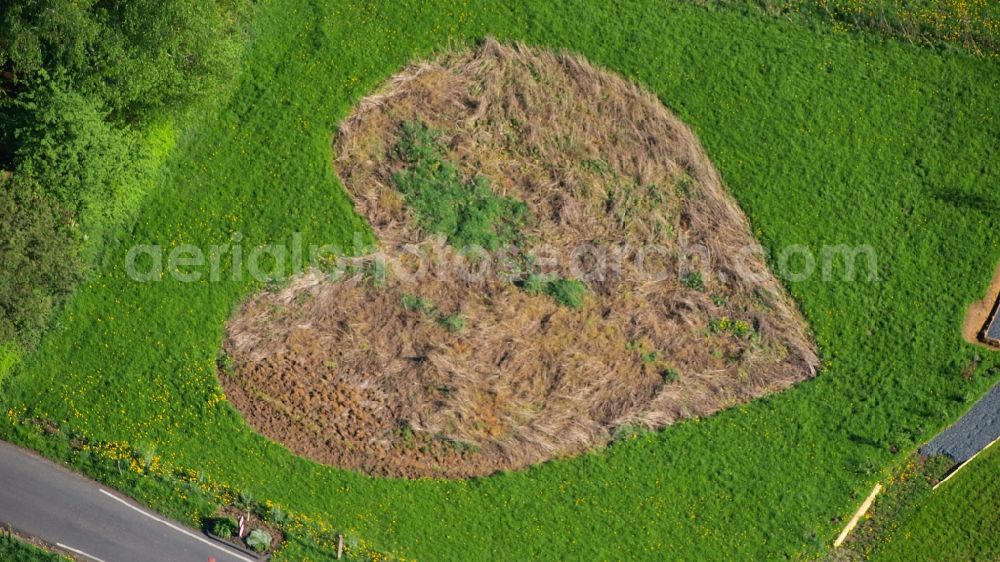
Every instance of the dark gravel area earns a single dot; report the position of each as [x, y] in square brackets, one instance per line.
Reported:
[975, 430]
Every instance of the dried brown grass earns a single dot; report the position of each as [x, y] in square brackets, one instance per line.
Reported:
[341, 372]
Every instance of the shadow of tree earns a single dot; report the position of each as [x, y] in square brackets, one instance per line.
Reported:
[970, 201]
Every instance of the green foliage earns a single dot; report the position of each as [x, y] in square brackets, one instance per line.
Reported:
[13, 550]
[973, 24]
[65, 146]
[406, 435]
[467, 213]
[259, 540]
[138, 57]
[414, 303]
[567, 292]
[76, 74]
[246, 500]
[642, 348]
[650, 357]
[873, 149]
[458, 444]
[375, 273]
[685, 184]
[594, 165]
[693, 280]
[38, 260]
[224, 527]
[420, 145]
[276, 515]
[958, 521]
[725, 324]
[226, 365]
[452, 322]
[535, 284]
[146, 455]
[10, 355]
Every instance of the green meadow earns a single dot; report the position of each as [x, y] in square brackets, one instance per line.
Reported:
[958, 521]
[825, 137]
[13, 550]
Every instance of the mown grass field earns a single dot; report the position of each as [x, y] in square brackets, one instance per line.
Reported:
[824, 137]
[959, 520]
[14, 550]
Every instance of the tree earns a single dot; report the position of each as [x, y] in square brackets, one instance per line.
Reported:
[139, 57]
[67, 149]
[39, 262]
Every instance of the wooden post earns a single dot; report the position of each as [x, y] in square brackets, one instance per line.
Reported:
[857, 516]
[340, 546]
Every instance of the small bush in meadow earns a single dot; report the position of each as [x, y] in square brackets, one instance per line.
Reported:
[224, 527]
[276, 515]
[246, 500]
[259, 540]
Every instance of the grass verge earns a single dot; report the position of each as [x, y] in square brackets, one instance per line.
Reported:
[957, 521]
[14, 550]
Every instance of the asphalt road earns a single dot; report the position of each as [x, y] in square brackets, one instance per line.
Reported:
[979, 427]
[44, 500]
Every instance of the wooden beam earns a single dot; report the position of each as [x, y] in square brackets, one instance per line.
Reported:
[857, 516]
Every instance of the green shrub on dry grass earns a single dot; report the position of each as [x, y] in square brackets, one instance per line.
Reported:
[727, 325]
[414, 303]
[452, 322]
[466, 212]
[693, 280]
[567, 292]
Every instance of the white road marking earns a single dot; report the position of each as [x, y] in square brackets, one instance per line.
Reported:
[80, 552]
[176, 528]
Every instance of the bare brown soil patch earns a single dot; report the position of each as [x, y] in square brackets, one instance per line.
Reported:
[340, 371]
[979, 312]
